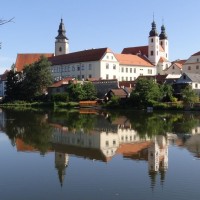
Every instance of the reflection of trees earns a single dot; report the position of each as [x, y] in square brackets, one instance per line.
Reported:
[74, 120]
[30, 127]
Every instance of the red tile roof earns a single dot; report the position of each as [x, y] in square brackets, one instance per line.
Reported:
[80, 56]
[27, 59]
[127, 59]
[143, 50]
[62, 82]
[196, 54]
[162, 59]
[119, 93]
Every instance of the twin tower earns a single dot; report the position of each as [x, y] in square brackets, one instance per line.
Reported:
[157, 46]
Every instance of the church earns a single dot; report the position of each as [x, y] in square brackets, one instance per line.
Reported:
[103, 63]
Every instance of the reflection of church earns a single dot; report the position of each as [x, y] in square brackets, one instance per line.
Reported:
[158, 158]
[106, 140]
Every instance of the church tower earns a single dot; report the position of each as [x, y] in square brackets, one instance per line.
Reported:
[164, 41]
[62, 42]
[153, 48]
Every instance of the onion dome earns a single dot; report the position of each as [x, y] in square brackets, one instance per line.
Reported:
[163, 34]
[153, 31]
[61, 31]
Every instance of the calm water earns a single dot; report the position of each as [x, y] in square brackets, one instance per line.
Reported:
[99, 155]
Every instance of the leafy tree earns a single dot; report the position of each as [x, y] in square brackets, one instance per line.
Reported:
[167, 92]
[89, 91]
[13, 86]
[146, 92]
[37, 77]
[189, 96]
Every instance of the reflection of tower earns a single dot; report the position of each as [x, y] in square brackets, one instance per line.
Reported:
[158, 158]
[61, 162]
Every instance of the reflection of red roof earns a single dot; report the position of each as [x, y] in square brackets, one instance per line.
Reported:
[130, 149]
[143, 50]
[127, 59]
[80, 56]
[21, 146]
[27, 59]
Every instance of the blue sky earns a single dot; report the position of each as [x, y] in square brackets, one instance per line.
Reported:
[95, 24]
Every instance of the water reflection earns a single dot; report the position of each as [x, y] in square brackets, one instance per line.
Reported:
[100, 136]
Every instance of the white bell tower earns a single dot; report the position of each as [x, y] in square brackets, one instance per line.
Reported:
[153, 48]
[62, 42]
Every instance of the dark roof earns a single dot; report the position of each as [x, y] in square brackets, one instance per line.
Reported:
[193, 77]
[196, 54]
[79, 56]
[143, 50]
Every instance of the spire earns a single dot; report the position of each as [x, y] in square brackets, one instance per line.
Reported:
[61, 31]
[163, 34]
[153, 31]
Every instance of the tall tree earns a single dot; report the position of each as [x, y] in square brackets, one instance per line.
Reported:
[89, 90]
[37, 77]
[13, 86]
[146, 91]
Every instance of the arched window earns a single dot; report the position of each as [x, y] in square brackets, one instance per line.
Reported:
[60, 49]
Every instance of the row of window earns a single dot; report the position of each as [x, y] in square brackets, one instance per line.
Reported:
[107, 66]
[70, 68]
[189, 67]
[79, 77]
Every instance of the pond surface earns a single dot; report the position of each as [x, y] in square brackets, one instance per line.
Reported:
[89, 154]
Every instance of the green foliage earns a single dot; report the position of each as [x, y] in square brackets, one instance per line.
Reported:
[30, 84]
[146, 91]
[167, 93]
[78, 92]
[63, 97]
[14, 86]
[114, 101]
[89, 91]
[37, 77]
[189, 96]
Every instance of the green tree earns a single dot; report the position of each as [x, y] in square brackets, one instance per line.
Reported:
[167, 92]
[13, 86]
[189, 96]
[37, 77]
[89, 91]
[146, 92]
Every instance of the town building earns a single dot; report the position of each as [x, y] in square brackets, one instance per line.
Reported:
[175, 67]
[192, 65]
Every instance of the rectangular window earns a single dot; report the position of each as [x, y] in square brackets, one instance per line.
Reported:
[107, 66]
[78, 68]
[114, 66]
[151, 53]
[130, 70]
[82, 67]
[90, 67]
[134, 70]
[90, 75]
[130, 78]
[126, 70]
[196, 85]
[107, 76]
[122, 69]
[122, 78]
[126, 78]
[114, 76]
[82, 76]
[149, 71]
[197, 67]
